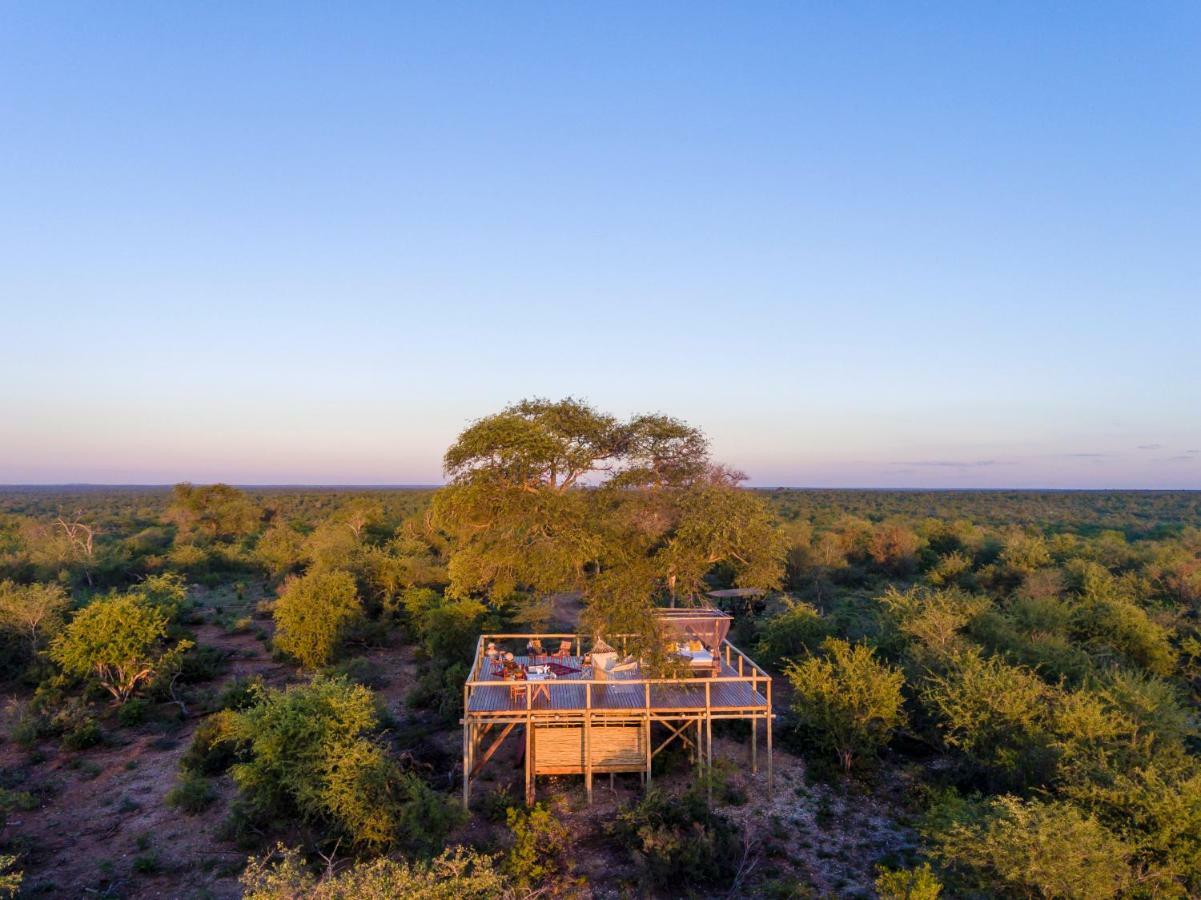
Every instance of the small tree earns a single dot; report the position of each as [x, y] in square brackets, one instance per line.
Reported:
[995, 714]
[540, 842]
[121, 642]
[314, 615]
[31, 612]
[847, 701]
[312, 750]
[1036, 849]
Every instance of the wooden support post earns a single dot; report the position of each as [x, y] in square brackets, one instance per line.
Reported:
[588, 741]
[754, 745]
[466, 763]
[709, 741]
[646, 712]
[770, 715]
[529, 747]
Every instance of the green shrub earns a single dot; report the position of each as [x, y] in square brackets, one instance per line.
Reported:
[75, 725]
[677, 841]
[495, 804]
[361, 670]
[10, 877]
[315, 614]
[1034, 848]
[192, 794]
[212, 750]
[26, 725]
[133, 713]
[846, 702]
[311, 750]
[908, 884]
[797, 630]
[203, 663]
[146, 863]
[240, 693]
[456, 874]
[540, 841]
[120, 642]
[996, 715]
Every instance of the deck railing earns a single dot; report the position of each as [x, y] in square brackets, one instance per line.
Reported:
[749, 672]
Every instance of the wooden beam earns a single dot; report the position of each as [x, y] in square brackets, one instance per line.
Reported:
[709, 742]
[588, 741]
[529, 748]
[770, 716]
[476, 766]
[647, 747]
[678, 732]
[467, 726]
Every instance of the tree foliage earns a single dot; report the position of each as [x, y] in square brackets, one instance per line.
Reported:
[655, 518]
[120, 641]
[846, 701]
[314, 615]
[312, 750]
[455, 874]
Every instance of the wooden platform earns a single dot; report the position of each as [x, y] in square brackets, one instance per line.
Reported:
[576, 724]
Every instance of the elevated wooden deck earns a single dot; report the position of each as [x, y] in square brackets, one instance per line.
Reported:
[578, 724]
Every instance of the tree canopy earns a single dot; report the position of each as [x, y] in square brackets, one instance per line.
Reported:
[549, 496]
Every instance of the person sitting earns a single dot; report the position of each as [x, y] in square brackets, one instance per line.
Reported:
[534, 648]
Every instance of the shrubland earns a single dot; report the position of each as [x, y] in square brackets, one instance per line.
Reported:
[1028, 664]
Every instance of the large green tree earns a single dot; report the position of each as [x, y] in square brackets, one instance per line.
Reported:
[548, 496]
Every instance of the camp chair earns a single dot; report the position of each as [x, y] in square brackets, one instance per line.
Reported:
[564, 650]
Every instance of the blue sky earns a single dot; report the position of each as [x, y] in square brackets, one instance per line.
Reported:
[859, 244]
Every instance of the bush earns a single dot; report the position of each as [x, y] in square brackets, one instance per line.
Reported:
[846, 703]
[677, 842]
[1035, 849]
[29, 615]
[75, 725]
[240, 693]
[798, 630]
[212, 750]
[315, 614]
[539, 844]
[456, 874]
[192, 794]
[311, 750]
[120, 642]
[996, 715]
[203, 663]
[908, 884]
[10, 877]
[133, 713]
[361, 670]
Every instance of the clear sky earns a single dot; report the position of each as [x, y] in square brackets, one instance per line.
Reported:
[895, 244]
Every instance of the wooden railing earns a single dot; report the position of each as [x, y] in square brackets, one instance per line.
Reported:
[749, 672]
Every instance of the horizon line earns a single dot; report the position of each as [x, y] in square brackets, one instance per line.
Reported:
[417, 486]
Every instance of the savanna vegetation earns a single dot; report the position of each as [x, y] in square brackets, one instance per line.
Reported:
[212, 691]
